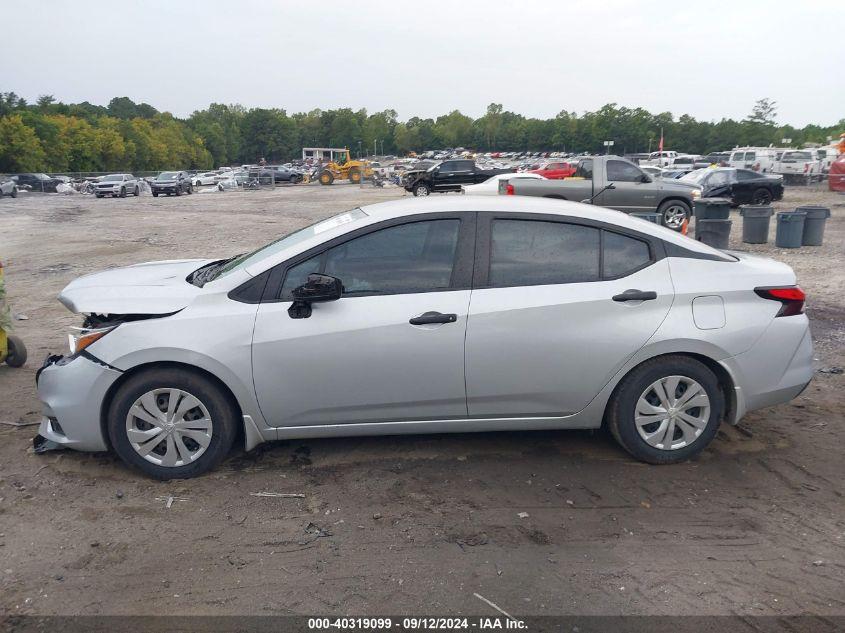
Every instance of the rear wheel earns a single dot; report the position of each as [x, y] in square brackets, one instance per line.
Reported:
[761, 196]
[355, 175]
[171, 423]
[666, 410]
[673, 213]
[16, 355]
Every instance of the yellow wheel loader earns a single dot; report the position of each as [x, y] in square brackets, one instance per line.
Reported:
[345, 169]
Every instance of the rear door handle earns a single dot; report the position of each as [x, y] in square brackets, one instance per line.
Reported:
[636, 295]
[433, 317]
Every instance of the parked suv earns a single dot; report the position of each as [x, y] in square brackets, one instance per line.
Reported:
[172, 183]
[117, 185]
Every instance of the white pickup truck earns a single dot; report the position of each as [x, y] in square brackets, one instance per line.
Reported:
[798, 165]
[659, 159]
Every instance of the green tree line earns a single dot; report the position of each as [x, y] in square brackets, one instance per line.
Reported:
[52, 136]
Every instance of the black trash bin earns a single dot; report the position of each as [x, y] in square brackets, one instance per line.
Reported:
[814, 225]
[710, 209]
[755, 223]
[790, 229]
[715, 233]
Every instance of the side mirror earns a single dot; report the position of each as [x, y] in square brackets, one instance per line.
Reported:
[316, 289]
[645, 178]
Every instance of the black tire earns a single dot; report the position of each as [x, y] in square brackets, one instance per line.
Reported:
[221, 410]
[761, 196]
[155, 194]
[99, 195]
[16, 356]
[355, 176]
[136, 192]
[421, 189]
[14, 192]
[178, 191]
[123, 192]
[670, 214]
[326, 177]
[190, 190]
[623, 403]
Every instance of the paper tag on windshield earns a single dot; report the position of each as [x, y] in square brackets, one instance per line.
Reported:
[333, 223]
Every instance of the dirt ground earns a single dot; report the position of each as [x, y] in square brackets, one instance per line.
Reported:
[413, 524]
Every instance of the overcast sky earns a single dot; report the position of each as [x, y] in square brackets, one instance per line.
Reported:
[710, 60]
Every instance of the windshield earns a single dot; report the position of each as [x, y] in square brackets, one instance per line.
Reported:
[112, 178]
[292, 239]
[697, 176]
[167, 175]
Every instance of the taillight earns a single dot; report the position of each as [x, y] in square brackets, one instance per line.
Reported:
[791, 299]
[509, 190]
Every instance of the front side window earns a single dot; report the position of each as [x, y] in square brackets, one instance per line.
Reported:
[531, 252]
[622, 255]
[414, 257]
[620, 171]
[738, 156]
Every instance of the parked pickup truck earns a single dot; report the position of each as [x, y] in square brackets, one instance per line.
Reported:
[447, 176]
[611, 181]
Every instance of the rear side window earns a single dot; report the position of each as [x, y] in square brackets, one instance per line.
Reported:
[585, 169]
[622, 255]
[532, 252]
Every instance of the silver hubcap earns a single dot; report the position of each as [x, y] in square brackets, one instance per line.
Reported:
[674, 217]
[169, 427]
[672, 413]
[422, 191]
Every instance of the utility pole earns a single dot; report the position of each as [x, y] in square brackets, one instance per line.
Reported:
[375, 147]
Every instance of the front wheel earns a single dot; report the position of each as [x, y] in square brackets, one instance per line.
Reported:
[761, 196]
[123, 192]
[673, 214]
[14, 192]
[155, 194]
[421, 189]
[171, 423]
[136, 192]
[666, 410]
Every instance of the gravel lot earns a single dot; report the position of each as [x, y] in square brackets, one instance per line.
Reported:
[413, 524]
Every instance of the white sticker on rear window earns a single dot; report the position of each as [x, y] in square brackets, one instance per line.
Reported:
[333, 223]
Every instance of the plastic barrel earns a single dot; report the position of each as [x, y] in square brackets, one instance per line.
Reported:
[814, 225]
[790, 229]
[713, 232]
[650, 217]
[755, 223]
[712, 209]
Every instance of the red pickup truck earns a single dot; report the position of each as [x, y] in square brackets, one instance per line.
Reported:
[555, 171]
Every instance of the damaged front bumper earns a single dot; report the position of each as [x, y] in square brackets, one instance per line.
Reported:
[72, 390]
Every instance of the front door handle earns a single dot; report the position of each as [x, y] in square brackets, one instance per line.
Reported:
[636, 295]
[433, 317]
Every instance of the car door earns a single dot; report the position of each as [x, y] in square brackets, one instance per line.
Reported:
[628, 193]
[392, 348]
[550, 321]
[463, 173]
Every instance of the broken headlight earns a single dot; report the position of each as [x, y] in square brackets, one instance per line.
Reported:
[81, 337]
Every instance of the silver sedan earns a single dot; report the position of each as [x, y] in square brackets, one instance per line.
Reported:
[428, 316]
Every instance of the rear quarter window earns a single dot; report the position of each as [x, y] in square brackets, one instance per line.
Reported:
[622, 255]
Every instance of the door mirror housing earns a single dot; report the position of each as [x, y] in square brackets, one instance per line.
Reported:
[316, 289]
[645, 178]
